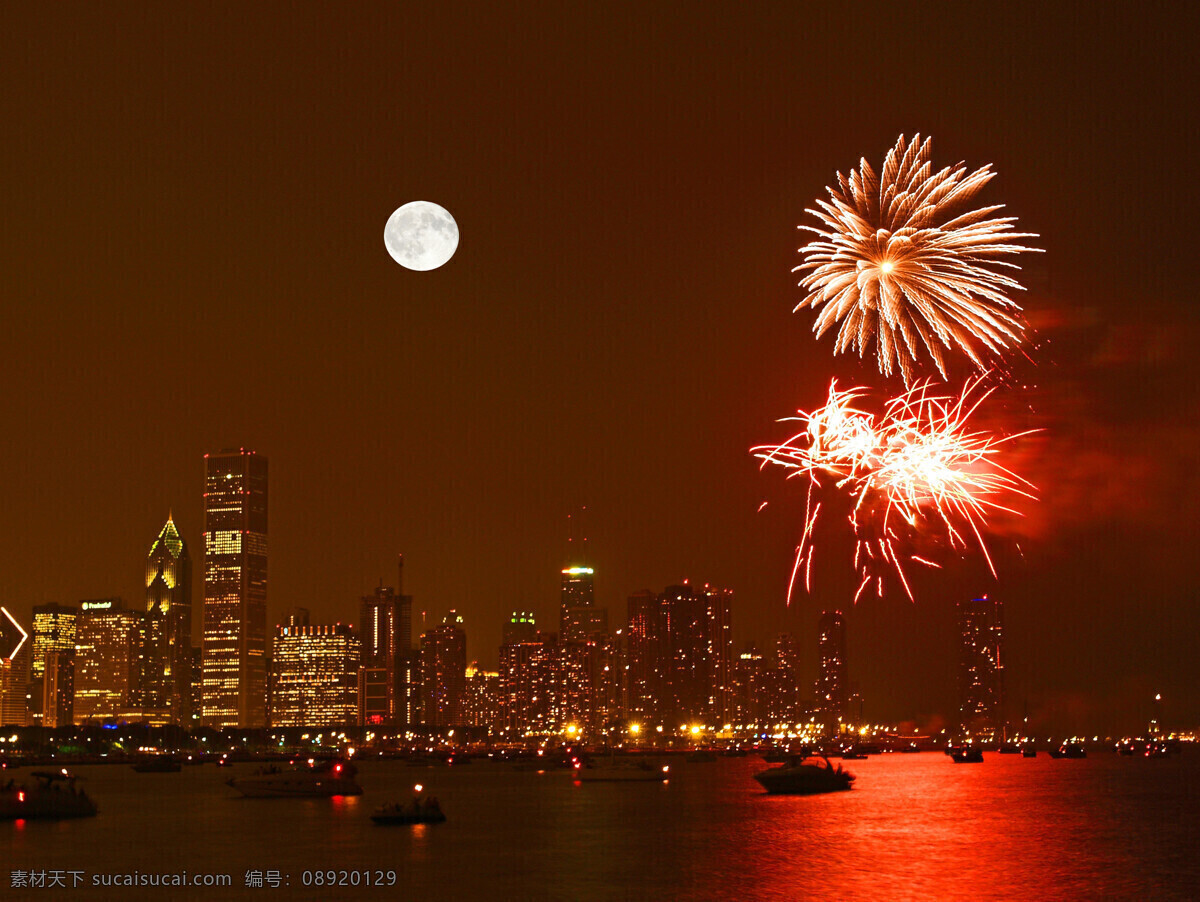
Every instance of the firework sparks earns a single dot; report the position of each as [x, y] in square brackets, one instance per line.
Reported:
[913, 472]
[901, 261]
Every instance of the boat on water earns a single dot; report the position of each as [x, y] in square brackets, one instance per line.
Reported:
[623, 770]
[967, 754]
[418, 810]
[314, 779]
[51, 796]
[1028, 752]
[1069, 750]
[1010, 749]
[805, 776]
[158, 764]
[700, 756]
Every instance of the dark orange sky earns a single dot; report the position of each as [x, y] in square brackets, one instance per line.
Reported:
[194, 200]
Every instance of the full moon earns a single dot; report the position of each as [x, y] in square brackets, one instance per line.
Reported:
[421, 235]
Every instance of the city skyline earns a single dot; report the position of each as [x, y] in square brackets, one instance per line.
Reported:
[615, 329]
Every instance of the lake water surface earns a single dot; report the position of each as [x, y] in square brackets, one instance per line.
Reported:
[914, 827]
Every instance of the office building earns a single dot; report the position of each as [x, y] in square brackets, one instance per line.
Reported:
[443, 673]
[53, 630]
[57, 703]
[107, 659]
[234, 690]
[386, 630]
[16, 654]
[314, 675]
[167, 627]
[831, 687]
[579, 618]
[981, 668]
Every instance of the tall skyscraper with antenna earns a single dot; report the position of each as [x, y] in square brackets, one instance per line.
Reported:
[234, 682]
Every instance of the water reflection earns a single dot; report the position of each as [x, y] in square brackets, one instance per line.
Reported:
[914, 826]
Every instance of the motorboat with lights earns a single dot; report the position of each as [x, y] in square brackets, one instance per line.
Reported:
[51, 796]
[805, 776]
[622, 770]
[312, 779]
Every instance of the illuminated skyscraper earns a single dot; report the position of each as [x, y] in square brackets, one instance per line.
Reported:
[58, 689]
[386, 618]
[107, 659]
[831, 689]
[167, 628]
[443, 673]
[16, 652]
[481, 701]
[579, 618]
[685, 622]
[720, 655]
[981, 668]
[520, 627]
[752, 685]
[645, 656]
[315, 676]
[234, 687]
[53, 630]
[784, 705]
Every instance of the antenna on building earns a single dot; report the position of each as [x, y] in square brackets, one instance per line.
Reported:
[400, 573]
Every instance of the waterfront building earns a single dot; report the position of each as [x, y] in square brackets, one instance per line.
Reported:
[685, 622]
[53, 630]
[528, 683]
[981, 668]
[720, 655]
[443, 673]
[386, 628]
[831, 687]
[166, 680]
[645, 658]
[107, 659]
[752, 687]
[235, 589]
[57, 683]
[784, 705]
[481, 699]
[520, 627]
[314, 675]
[579, 618]
[16, 654]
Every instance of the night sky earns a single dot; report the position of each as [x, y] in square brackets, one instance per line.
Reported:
[192, 259]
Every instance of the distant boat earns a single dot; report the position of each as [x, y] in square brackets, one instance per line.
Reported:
[1028, 752]
[418, 811]
[734, 753]
[623, 770]
[967, 754]
[316, 780]
[1069, 750]
[1010, 750]
[805, 776]
[52, 796]
[701, 756]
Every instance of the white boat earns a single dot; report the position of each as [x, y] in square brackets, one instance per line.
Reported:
[623, 770]
[312, 780]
